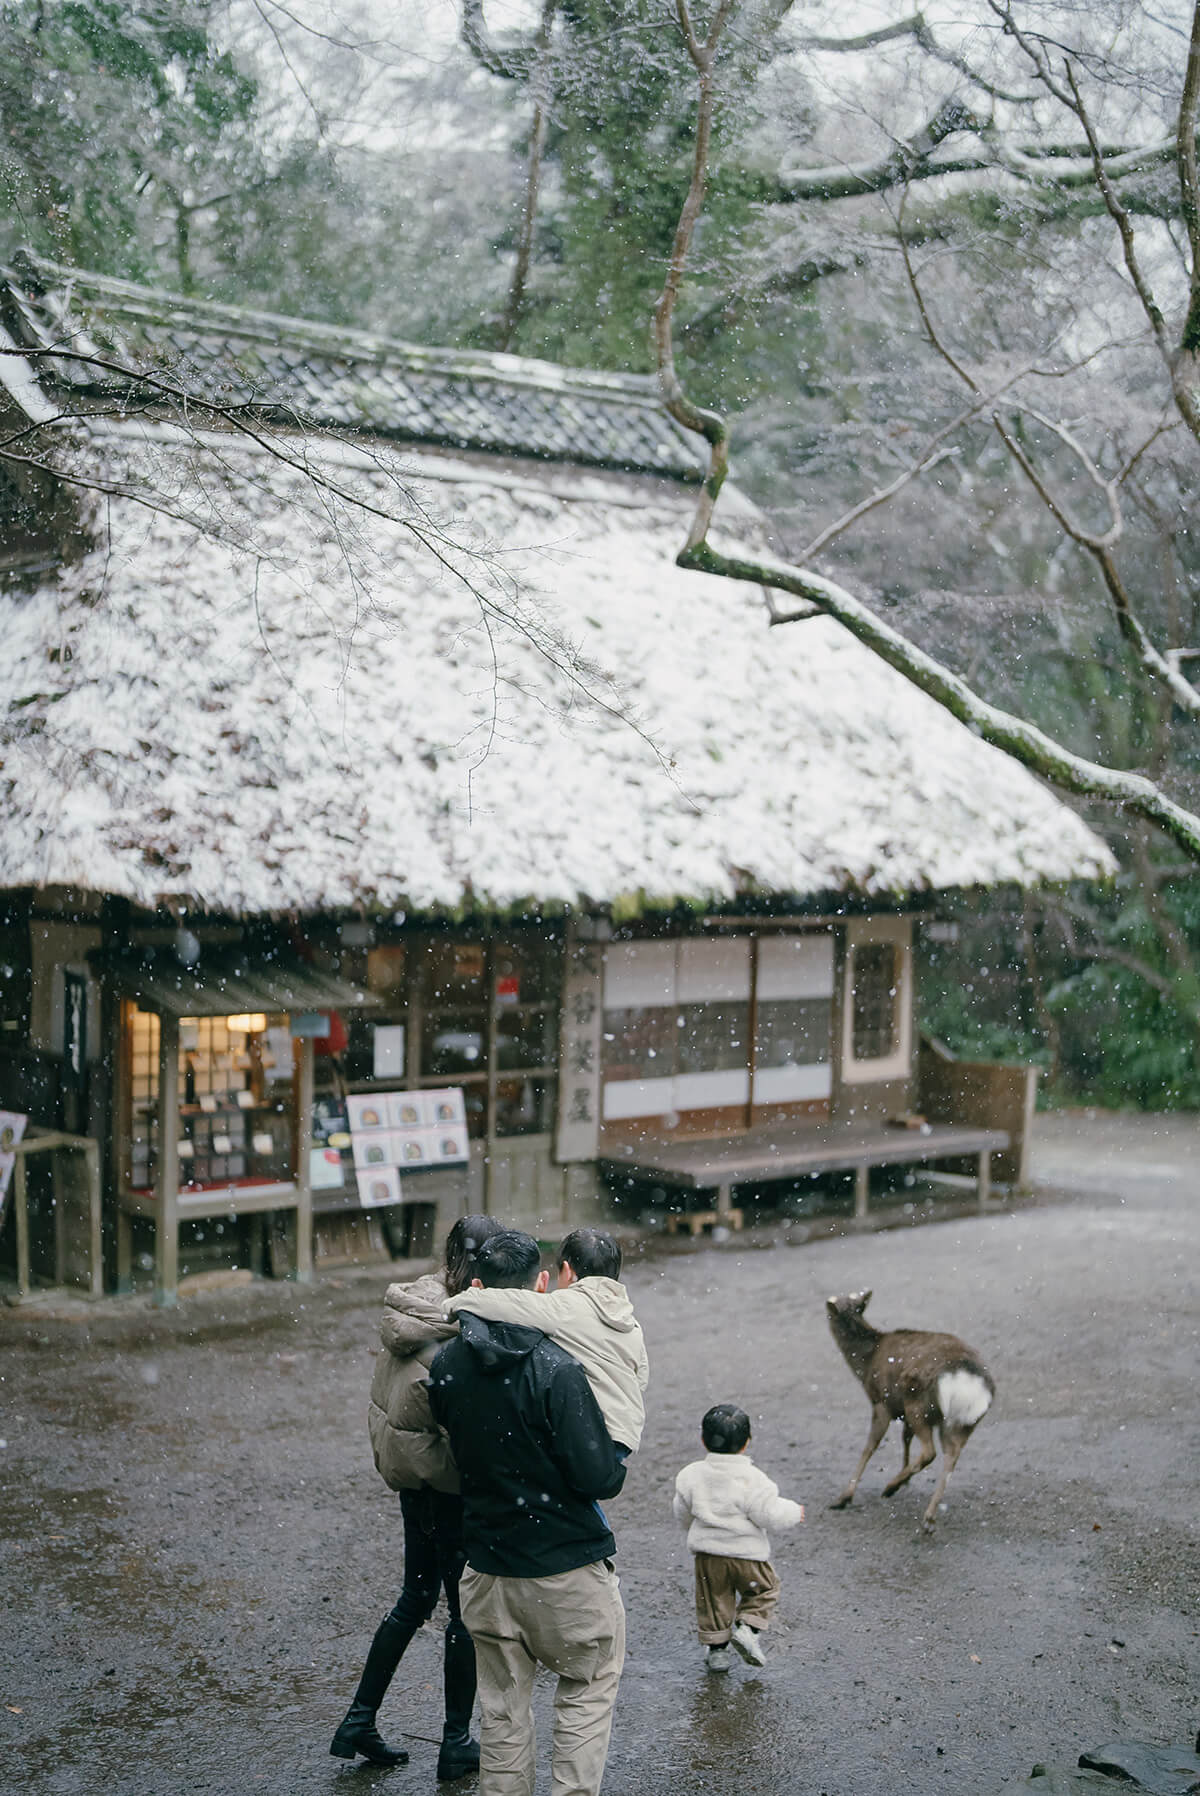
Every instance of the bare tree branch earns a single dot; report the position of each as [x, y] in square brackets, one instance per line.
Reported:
[1013, 735]
[1189, 182]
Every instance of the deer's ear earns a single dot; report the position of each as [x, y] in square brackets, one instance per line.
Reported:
[861, 1301]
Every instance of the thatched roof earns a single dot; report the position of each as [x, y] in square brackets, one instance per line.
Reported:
[491, 685]
[319, 376]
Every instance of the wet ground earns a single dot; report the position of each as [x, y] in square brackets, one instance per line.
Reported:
[194, 1545]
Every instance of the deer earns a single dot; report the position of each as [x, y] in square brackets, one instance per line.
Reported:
[923, 1380]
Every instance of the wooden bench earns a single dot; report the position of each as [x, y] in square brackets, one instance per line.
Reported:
[767, 1153]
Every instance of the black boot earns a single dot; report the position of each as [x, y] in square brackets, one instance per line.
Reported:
[359, 1735]
[459, 1754]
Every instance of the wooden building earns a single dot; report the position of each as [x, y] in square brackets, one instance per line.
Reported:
[364, 747]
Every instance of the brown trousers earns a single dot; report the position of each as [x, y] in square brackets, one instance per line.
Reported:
[729, 1590]
[574, 1624]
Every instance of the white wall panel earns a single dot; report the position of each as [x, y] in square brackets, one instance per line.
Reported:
[638, 1097]
[792, 1084]
[639, 973]
[713, 971]
[703, 1091]
[795, 966]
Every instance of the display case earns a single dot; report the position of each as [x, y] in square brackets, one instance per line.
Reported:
[236, 1101]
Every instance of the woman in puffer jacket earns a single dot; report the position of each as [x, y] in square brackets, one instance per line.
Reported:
[413, 1456]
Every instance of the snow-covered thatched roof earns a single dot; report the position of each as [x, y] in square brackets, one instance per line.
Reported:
[368, 676]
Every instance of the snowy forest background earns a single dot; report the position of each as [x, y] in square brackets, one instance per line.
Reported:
[907, 276]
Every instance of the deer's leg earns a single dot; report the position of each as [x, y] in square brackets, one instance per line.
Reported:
[924, 1433]
[908, 1434]
[953, 1442]
[881, 1421]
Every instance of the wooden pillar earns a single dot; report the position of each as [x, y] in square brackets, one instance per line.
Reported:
[491, 1140]
[166, 1233]
[304, 1209]
[58, 1183]
[985, 1177]
[91, 1166]
[862, 1185]
[21, 1217]
[724, 1201]
[124, 1250]
[118, 1024]
[752, 1031]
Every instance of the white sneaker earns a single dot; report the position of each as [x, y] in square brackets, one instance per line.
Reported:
[744, 1640]
[716, 1658]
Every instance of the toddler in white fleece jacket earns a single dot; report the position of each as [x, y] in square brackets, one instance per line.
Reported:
[591, 1318]
[726, 1504]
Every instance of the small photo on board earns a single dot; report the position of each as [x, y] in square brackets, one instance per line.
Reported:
[446, 1107]
[414, 1150]
[372, 1150]
[407, 1110]
[379, 1187]
[450, 1144]
[367, 1113]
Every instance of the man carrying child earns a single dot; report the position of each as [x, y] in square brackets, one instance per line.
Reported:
[591, 1317]
[534, 1456]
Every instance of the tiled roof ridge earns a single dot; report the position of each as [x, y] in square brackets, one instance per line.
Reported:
[160, 306]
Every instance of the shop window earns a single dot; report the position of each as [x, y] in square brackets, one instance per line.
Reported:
[483, 1015]
[874, 1000]
[236, 1119]
[637, 1043]
[877, 1013]
[792, 1032]
[15, 985]
[525, 1106]
[712, 1037]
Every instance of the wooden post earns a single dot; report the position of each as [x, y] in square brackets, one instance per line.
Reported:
[1028, 1112]
[490, 1140]
[985, 1177]
[91, 1163]
[59, 1200]
[21, 1213]
[166, 1234]
[862, 1183]
[724, 1201]
[124, 1250]
[304, 1209]
[752, 1031]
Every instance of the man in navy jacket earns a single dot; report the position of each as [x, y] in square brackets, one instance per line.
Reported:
[534, 1457]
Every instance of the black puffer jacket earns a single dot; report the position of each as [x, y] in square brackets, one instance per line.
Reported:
[531, 1448]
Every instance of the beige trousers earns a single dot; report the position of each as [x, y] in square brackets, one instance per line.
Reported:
[729, 1590]
[574, 1624]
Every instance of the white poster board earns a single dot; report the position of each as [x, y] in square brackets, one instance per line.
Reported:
[408, 1131]
[12, 1128]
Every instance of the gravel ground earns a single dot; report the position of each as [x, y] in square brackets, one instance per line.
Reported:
[195, 1548]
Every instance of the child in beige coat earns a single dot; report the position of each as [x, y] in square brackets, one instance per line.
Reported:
[591, 1318]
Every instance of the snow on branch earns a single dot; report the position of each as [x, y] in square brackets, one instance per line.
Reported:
[1016, 737]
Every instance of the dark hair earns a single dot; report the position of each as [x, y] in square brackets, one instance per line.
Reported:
[725, 1428]
[590, 1253]
[508, 1260]
[462, 1246]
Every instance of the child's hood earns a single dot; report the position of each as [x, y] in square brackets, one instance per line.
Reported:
[610, 1300]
